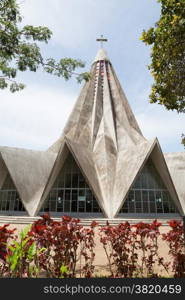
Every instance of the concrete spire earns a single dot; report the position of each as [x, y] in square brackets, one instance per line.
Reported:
[103, 125]
[101, 55]
[102, 105]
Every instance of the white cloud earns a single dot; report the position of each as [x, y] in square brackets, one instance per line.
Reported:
[76, 23]
[72, 22]
[33, 118]
[167, 126]
[153, 119]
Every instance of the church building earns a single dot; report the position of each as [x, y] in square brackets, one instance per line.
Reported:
[100, 167]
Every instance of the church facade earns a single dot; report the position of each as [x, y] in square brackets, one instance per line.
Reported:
[101, 166]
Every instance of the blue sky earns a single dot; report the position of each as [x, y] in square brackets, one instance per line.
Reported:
[35, 117]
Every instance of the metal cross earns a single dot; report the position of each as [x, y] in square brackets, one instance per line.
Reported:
[101, 40]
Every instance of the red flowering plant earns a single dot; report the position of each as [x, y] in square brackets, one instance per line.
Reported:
[119, 246]
[5, 236]
[66, 242]
[176, 242]
[132, 250]
[41, 232]
[147, 244]
[87, 245]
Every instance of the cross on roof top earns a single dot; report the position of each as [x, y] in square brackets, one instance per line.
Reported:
[101, 40]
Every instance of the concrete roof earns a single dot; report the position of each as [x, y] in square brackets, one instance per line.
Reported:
[29, 171]
[176, 165]
[3, 171]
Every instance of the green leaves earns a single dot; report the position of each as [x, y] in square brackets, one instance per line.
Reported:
[3, 84]
[168, 55]
[17, 54]
[64, 271]
[32, 251]
[183, 140]
[22, 257]
[29, 57]
[36, 33]
[24, 232]
[14, 87]
[65, 68]
[83, 76]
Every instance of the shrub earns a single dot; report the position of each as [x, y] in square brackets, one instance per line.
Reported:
[66, 243]
[5, 236]
[132, 250]
[176, 242]
[147, 243]
[119, 245]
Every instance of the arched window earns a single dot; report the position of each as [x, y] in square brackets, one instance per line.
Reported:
[9, 197]
[149, 194]
[71, 192]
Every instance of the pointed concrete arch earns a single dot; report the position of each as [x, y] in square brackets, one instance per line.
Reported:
[176, 165]
[4, 176]
[84, 161]
[157, 157]
[29, 171]
[3, 170]
[162, 168]
[129, 163]
[9, 195]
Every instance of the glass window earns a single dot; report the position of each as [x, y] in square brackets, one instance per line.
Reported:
[61, 181]
[53, 205]
[81, 182]
[148, 194]
[96, 207]
[68, 180]
[9, 198]
[124, 208]
[88, 205]
[75, 180]
[144, 181]
[70, 192]
[158, 200]
[60, 201]
[137, 184]
[74, 195]
[67, 203]
[138, 196]
[81, 206]
[74, 206]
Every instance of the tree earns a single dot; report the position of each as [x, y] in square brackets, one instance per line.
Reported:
[183, 139]
[167, 66]
[20, 52]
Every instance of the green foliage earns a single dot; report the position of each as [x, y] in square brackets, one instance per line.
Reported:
[64, 271]
[19, 51]
[83, 76]
[183, 140]
[167, 66]
[65, 68]
[22, 257]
